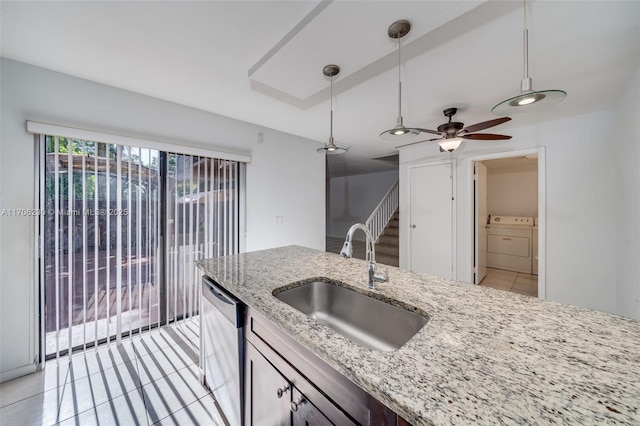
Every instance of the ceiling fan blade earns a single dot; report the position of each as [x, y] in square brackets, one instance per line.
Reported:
[484, 125]
[485, 137]
[433, 132]
[415, 143]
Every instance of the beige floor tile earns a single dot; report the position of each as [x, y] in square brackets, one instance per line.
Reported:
[503, 275]
[52, 376]
[41, 409]
[127, 409]
[170, 394]
[526, 284]
[83, 394]
[162, 363]
[201, 412]
[93, 361]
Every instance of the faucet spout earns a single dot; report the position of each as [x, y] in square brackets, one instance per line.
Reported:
[347, 251]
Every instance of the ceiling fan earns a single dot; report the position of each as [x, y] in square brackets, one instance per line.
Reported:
[452, 133]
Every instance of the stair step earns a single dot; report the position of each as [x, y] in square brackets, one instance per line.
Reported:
[389, 239]
[393, 223]
[387, 260]
[396, 216]
[387, 249]
[391, 231]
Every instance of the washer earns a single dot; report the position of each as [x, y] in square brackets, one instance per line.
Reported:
[509, 243]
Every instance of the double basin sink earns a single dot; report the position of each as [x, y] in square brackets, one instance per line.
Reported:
[367, 321]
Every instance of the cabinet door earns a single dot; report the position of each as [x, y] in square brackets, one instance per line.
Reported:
[264, 403]
[305, 413]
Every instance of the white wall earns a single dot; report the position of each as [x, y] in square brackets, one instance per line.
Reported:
[285, 178]
[353, 198]
[627, 214]
[580, 170]
[512, 192]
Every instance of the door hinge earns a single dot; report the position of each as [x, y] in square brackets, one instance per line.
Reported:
[475, 269]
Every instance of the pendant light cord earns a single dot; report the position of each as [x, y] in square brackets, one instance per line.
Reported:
[331, 109]
[525, 41]
[399, 81]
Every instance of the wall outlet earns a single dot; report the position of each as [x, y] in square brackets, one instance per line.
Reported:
[278, 221]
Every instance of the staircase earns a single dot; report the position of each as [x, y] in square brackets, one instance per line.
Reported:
[387, 247]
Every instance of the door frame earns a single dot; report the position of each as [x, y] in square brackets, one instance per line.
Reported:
[542, 209]
[407, 224]
[476, 216]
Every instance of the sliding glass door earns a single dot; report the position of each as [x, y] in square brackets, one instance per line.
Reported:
[120, 231]
[202, 221]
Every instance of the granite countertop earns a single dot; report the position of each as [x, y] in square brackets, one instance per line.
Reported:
[485, 357]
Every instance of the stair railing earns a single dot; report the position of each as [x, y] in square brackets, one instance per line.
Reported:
[383, 212]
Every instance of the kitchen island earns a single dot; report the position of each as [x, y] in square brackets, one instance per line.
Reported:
[485, 356]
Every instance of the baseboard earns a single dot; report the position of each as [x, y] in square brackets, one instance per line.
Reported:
[5, 376]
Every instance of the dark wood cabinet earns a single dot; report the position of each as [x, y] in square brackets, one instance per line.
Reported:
[264, 404]
[271, 397]
[285, 384]
[305, 413]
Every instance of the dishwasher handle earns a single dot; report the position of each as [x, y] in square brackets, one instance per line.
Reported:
[223, 302]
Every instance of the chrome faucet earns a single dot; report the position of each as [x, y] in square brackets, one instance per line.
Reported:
[347, 251]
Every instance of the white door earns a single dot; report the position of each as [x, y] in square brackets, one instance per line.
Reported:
[431, 220]
[480, 191]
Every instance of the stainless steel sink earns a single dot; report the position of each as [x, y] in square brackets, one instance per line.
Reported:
[363, 319]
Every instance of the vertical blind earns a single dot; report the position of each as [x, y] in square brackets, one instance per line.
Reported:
[202, 222]
[120, 231]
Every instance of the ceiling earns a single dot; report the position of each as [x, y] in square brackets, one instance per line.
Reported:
[261, 61]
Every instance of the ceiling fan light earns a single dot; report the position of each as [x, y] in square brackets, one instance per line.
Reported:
[450, 144]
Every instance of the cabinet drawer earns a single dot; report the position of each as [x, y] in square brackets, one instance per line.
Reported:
[514, 246]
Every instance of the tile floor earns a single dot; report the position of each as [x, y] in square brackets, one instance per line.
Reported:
[511, 281]
[150, 379]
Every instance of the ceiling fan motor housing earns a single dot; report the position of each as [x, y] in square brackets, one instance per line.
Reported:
[451, 128]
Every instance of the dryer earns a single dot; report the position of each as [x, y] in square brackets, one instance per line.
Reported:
[509, 243]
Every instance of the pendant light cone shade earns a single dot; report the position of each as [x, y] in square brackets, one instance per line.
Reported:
[330, 147]
[399, 133]
[450, 144]
[528, 100]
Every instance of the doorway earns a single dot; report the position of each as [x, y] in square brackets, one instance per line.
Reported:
[508, 222]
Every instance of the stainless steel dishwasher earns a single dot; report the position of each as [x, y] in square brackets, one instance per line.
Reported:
[222, 349]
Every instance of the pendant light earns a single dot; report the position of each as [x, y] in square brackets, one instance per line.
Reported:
[397, 30]
[330, 147]
[528, 99]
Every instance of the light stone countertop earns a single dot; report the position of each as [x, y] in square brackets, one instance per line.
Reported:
[485, 357]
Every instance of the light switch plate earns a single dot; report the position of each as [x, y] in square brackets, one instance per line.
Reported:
[278, 221]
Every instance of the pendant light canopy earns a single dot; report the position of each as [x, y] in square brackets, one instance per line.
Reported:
[330, 147]
[528, 99]
[397, 30]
